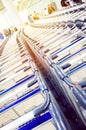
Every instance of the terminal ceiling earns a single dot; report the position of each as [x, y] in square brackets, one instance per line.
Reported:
[21, 4]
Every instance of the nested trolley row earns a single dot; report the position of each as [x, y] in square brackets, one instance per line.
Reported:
[26, 102]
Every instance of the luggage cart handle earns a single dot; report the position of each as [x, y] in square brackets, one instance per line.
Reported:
[30, 115]
[77, 23]
[32, 82]
[34, 113]
[44, 89]
[81, 98]
[44, 106]
[79, 93]
[64, 76]
[82, 83]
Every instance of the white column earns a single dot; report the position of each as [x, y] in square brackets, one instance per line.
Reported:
[3, 22]
[8, 20]
[12, 13]
[1, 26]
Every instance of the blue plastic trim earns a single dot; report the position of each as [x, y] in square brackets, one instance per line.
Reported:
[72, 43]
[76, 69]
[17, 84]
[36, 122]
[20, 100]
[68, 57]
[1, 37]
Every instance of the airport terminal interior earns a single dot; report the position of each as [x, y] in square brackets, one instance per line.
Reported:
[42, 64]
